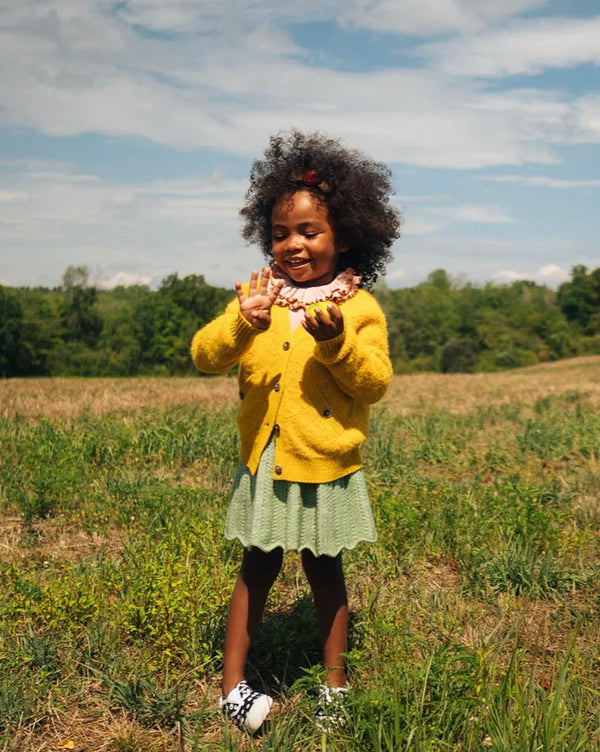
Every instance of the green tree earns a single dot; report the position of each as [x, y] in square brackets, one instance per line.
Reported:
[437, 325]
[422, 320]
[579, 299]
[166, 322]
[43, 329]
[119, 342]
[458, 356]
[193, 295]
[11, 332]
[81, 318]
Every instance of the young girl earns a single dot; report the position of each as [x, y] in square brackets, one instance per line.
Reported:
[307, 375]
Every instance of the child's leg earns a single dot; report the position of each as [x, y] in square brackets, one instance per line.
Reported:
[326, 578]
[257, 574]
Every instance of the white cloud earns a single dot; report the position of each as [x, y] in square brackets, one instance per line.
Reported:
[217, 88]
[479, 213]
[431, 16]
[483, 257]
[508, 275]
[430, 219]
[221, 75]
[550, 274]
[418, 225]
[553, 273]
[7, 197]
[541, 181]
[165, 17]
[408, 17]
[191, 226]
[432, 124]
[123, 279]
[208, 17]
[420, 198]
[395, 274]
[525, 46]
[146, 230]
[588, 116]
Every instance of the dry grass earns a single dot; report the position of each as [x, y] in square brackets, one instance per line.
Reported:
[89, 729]
[55, 542]
[61, 398]
[426, 594]
[65, 399]
[460, 393]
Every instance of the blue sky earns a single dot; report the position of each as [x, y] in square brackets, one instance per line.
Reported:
[127, 130]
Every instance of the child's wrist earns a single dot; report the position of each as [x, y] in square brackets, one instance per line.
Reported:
[242, 327]
[328, 349]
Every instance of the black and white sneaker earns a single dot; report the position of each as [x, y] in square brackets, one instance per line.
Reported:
[246, 707]
[331, 712]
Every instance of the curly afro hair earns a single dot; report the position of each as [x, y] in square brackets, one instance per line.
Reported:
[354, 188]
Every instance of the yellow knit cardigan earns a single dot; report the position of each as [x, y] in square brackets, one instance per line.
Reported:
[315, 396]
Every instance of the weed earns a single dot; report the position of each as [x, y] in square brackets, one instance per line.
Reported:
[144, 700]
[473, 619]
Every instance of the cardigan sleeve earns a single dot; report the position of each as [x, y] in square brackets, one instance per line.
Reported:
[219, 345]
[358, 358]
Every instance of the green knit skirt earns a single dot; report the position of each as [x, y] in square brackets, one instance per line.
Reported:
[323, 517]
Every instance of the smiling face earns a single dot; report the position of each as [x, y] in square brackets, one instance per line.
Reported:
[303, 241]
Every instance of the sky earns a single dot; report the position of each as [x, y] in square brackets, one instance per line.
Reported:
[128, 129]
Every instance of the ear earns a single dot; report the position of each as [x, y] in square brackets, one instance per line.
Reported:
[343, 248]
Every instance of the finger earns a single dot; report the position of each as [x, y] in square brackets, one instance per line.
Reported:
[310, 320]
[264, 280]
[253, 283]
[335, 313]
[321, 332]
[275, 289]
[321, 317]
[239, 292]
[318, 316]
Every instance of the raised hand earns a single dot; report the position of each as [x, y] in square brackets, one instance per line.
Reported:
[326, 323]
[256, 306]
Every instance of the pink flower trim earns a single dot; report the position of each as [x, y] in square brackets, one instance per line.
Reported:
[343, 287]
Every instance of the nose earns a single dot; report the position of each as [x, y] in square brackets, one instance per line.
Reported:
[294, 242]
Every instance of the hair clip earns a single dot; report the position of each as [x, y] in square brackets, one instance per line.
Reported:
[311, 178]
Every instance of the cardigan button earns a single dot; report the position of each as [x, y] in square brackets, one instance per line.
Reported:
[278, 469]
[286, 345]
[277, 387]
[327, 412]
[276, 429]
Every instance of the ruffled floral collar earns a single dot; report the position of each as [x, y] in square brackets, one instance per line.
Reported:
[343, 287]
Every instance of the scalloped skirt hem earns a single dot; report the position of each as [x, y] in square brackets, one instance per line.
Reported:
[324, 518]
[332, 553]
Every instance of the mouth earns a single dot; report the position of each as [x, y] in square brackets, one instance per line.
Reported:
[296, 263]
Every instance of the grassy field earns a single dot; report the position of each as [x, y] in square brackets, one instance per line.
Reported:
[474, 618]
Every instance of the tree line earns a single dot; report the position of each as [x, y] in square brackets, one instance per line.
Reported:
[439, 325]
